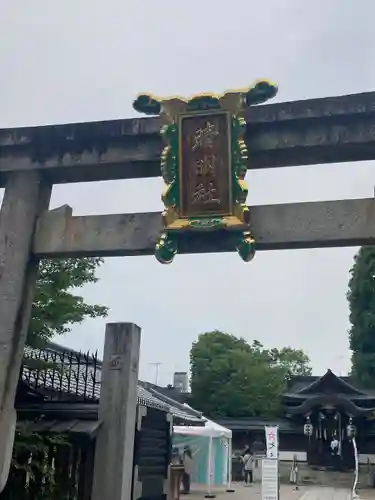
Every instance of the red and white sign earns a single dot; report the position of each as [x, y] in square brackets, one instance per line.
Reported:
[272, 441]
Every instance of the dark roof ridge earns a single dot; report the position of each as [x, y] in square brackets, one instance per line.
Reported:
[168, 400]
[329, 373]
[322, 399]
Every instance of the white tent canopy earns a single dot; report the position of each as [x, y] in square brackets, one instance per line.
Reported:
[211, 431]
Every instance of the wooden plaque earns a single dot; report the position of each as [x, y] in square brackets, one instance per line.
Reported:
[204, 163]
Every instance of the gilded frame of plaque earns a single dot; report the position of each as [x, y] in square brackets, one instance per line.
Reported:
[204, 163]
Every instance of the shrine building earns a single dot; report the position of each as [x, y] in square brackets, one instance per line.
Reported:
[315, 412]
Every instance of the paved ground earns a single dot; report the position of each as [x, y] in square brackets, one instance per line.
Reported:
[286, 493]
[248, 493]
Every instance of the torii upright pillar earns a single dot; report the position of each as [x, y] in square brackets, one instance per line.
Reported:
[26, 195]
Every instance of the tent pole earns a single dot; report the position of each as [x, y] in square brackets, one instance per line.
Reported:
[229, 467]
[209, 471]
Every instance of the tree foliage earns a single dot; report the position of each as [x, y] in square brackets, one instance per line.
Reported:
[56, 307]
[361, 298]
[232, 378]
[291, 361]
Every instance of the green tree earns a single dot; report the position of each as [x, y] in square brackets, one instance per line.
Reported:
[55, 307]
[291, 361]
[232, 378]
[361, 298]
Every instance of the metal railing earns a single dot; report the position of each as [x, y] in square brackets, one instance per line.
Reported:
[62, 374]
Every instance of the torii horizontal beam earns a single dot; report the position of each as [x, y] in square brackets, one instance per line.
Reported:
[327, 130]
[286, 226]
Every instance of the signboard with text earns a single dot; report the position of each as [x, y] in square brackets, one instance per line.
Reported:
[203, 165]
[270, 479]
[205, 183]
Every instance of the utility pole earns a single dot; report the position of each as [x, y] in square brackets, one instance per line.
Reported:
[156, 371]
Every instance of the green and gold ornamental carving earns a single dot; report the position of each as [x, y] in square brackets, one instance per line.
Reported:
[204, 163]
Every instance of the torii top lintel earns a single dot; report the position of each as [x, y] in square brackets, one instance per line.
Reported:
[307, 132]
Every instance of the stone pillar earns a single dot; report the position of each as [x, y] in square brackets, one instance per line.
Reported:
[26, 196]
[113, 470]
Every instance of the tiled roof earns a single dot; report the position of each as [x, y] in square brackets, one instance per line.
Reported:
[68, 374]
[145, 398]
[180, 410]
[304, 387]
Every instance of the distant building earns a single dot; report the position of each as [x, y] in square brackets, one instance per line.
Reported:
[181, 381]
[316, 410]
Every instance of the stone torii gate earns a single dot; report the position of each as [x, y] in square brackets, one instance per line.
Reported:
[335, 129]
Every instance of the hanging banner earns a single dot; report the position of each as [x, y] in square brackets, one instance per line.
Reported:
[272, 441]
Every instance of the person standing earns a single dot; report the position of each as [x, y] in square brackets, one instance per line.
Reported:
[335, 445]
[248, 467]
[187, 460]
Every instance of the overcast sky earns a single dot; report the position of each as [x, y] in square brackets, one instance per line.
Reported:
[83, 60]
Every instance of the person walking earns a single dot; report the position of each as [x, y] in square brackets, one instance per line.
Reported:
[248, 467]
[187, 460]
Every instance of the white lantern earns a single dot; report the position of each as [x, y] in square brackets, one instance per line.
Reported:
[308, 429]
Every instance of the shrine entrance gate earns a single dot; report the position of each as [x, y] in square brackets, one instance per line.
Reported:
[336, 129]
